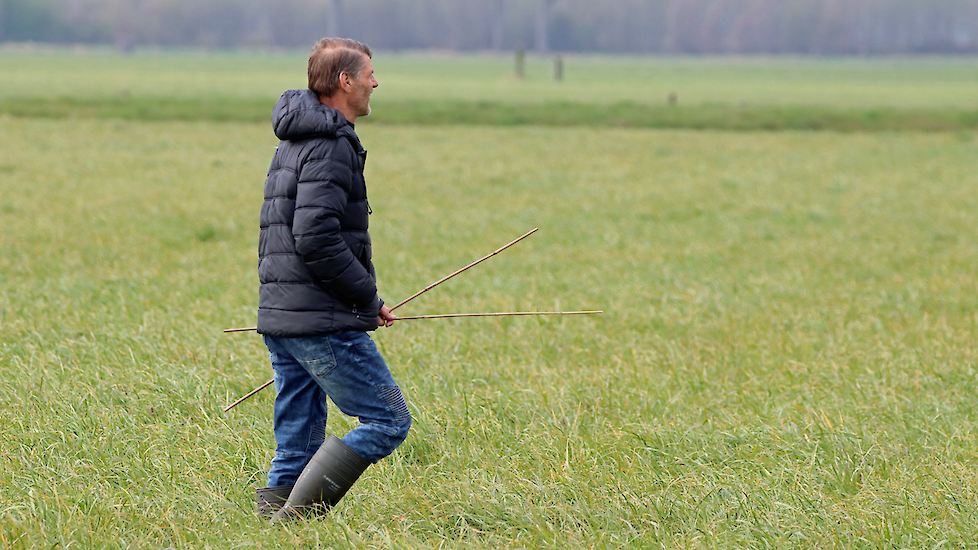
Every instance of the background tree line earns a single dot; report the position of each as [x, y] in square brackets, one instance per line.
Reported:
[836, 27]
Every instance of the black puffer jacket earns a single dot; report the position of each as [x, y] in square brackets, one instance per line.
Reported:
[314, 249]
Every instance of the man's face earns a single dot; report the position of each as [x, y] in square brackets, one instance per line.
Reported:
[363, 86]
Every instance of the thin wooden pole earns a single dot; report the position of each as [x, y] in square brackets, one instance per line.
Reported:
[426, 289]
[252, 392]
[432, 285]
[448, 315]
[505, 314]
[473, 264]
[442, 316]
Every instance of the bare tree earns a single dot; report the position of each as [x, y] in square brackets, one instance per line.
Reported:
[543, 26]
[333, 9]
[497, 24]
[861, 27]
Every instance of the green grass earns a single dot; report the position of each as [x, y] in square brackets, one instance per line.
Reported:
[717, 93]
[787, 357]
[447, 113]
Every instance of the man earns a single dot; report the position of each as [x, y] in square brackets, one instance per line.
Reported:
[318, 295]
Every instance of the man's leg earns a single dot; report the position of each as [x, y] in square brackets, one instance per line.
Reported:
[349, 368]
[354, 375]
[362, 386]
[300, 416]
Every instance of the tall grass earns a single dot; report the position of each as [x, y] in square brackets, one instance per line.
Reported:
[787, 356]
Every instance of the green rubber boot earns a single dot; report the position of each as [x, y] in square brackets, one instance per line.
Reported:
[328, 476]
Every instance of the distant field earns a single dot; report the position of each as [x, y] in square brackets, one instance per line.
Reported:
[723, 93]
[787, 357]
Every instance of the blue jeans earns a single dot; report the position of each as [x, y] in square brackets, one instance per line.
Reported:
[347, 368]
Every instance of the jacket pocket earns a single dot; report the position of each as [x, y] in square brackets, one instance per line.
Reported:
[365, 254]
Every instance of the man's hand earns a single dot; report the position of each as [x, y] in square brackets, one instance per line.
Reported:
[385, 318]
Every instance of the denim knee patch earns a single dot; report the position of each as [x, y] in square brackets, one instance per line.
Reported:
[395, 403]
[318, 434]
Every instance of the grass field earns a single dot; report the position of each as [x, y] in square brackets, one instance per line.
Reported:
[787, 356]
[712, 93]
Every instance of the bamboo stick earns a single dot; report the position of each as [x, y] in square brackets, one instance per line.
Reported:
[252, 392]
[441, 316]
[432, 285]
[501, 314]
[449, 315]
[419, 293]
[473, 264]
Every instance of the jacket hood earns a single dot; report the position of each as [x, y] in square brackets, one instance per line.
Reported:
[298, 114]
